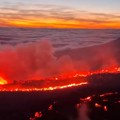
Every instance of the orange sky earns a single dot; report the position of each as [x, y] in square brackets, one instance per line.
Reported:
[57, 23]
[56, 17]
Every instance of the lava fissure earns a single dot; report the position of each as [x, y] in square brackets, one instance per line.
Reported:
[53, 83]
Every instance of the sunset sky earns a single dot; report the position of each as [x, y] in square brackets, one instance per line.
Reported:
[60, 13]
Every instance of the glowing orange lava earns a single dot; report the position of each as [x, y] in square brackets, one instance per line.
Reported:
[85, 74]
[3, 81]
[58, 82]
[98, 105]
[44, 89]
[105, 108]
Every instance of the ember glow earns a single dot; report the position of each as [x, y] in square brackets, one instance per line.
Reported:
[105, 108]
[108, 94]
[98, 105]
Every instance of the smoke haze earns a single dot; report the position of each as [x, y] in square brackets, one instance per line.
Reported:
[38, 60]
[32, 61]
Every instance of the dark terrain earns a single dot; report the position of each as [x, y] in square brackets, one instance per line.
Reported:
[24, 105]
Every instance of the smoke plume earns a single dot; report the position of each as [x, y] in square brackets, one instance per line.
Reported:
[32, 61]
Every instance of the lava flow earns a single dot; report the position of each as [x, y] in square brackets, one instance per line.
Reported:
[3, 81]
[53, 83]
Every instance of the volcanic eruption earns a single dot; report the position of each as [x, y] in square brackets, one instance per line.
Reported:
[36, 66]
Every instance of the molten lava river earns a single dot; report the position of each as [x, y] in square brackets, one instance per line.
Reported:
[53, 83]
